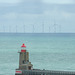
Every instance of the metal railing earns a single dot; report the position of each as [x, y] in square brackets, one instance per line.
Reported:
[47, 72]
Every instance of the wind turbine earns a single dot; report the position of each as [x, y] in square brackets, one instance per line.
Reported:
[16, 28]
[24, 28]
[9, 29]
[3, 28]
[42, 28]
[54, 27]
[33, 28]
[49, 29]
[59, 28]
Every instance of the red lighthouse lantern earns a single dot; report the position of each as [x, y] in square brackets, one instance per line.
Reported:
[23, 48]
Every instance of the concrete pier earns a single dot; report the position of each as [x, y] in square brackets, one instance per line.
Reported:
[26, 68]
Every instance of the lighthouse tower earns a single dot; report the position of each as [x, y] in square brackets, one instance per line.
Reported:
[24, 59]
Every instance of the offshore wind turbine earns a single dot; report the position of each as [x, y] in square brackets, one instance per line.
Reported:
[3, 28]
[59, 28]
[54, 28]
[9, 29]
[24, 28]
[33, 28]
[16, 28]
[49, 29]
[42, 28]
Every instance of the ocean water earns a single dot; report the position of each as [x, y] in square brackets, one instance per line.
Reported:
[47, 51]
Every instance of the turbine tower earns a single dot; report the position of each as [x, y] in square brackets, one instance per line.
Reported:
[42, 28]
[54, 28]
[9, 29]
[3, 28]
[59, 28]
[16, 28]
[49, 29]
[33, 28]
[24, 28]
[55, 25]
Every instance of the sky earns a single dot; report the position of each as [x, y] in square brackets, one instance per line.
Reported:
[48, 16]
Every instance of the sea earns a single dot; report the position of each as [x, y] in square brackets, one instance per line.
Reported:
[49, 51]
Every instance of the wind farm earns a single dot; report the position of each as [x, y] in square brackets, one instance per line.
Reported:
[43, 28]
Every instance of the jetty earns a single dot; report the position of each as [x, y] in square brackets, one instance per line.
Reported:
[26, 68]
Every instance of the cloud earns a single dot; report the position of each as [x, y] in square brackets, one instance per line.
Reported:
[28, 7]
[59, 1]
[10, 16]
[35, 11]
[69, 8]
[36, 7]
[10, 1]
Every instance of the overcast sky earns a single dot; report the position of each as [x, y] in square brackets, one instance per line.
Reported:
[56, 15]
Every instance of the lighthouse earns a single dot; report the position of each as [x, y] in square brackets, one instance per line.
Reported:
[24, 59]
[25, 66]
